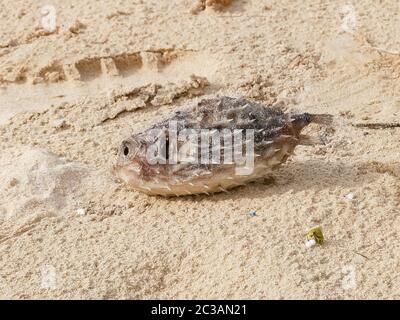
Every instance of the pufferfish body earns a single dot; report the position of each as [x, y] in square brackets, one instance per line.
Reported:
[212, 146]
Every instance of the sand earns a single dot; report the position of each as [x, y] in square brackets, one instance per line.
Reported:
[68, 96]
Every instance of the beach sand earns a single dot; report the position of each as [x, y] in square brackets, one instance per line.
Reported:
[70, 94]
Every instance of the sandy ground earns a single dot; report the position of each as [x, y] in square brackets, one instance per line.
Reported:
[111, 68]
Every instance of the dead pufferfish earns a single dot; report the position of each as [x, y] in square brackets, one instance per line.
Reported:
[212, 146]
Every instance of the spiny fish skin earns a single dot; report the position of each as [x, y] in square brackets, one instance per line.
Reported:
[275, 135]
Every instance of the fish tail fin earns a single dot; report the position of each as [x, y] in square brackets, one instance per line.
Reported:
[324, 119]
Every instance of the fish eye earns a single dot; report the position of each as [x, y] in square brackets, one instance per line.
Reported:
[126, 151]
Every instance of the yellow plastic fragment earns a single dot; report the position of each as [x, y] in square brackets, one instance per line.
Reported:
[316, 234]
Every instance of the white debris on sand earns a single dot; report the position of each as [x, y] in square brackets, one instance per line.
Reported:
[311, 243]
[349, 196]
[81, 211]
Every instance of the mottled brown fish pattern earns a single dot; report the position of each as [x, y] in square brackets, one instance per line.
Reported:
[275, 135]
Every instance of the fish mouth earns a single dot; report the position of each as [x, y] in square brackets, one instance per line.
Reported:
[127, 173]
[114, 169]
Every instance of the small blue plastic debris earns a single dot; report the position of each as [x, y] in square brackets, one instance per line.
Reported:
[252, 214]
